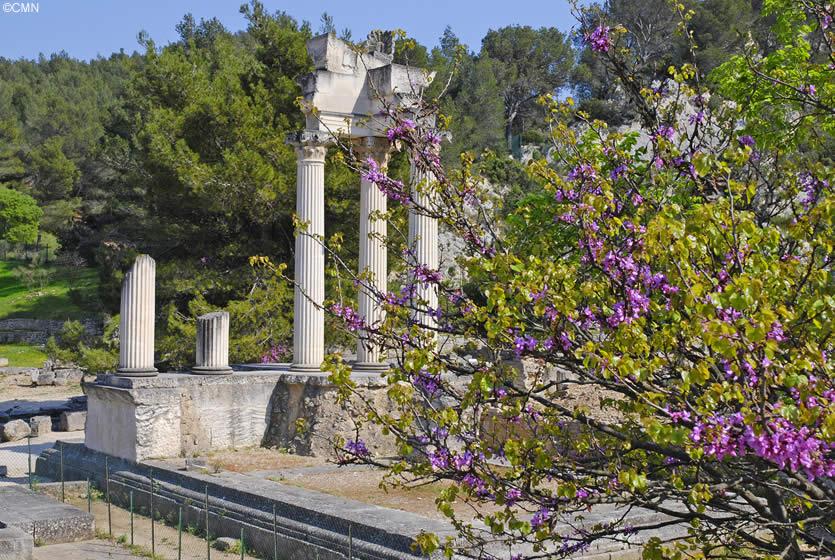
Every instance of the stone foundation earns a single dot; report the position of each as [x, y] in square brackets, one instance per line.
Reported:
[305, 416]
[181, 414]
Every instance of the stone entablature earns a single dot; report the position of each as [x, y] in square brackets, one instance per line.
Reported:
[348, 83]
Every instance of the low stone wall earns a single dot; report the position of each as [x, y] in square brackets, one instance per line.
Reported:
[177, 414]
[181, 414]
[38, 331]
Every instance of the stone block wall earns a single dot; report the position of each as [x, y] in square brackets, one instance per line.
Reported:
[38, 331]
[305, 417]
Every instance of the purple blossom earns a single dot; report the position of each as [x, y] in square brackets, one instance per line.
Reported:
[776, 332]
[523, 344]
[401, 130]
[538, 295]
[392, 188]
[582, 172]
[812, 187]
[540, 518]
[427, 382]
[791, 448]
[618, 315]
[746, 141]
[477, 485]
[678, 416]
[357, 447]
[423, 273]
[439, 459]
[599, 39]
[618, 171]
[666, 131]
[697, 118]
[463, 461]
[565, 342]
[512, 496]
[352, 320]
[275, 354]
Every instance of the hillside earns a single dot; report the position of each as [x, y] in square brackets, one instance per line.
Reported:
[67, 293]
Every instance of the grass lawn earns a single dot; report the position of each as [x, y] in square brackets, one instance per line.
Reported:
[51, 302]
[22, 355]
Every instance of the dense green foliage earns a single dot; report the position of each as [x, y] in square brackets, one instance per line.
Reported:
[642, 352]
[178, 151]
[19, 217]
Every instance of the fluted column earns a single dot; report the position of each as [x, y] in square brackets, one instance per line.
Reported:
[213, 344]
[136, 322]
[373, 261]
[423, 241]
[309, 297]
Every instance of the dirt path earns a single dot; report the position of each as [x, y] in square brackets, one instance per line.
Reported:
[19, 386]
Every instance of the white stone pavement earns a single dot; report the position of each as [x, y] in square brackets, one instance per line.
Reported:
[15, 454]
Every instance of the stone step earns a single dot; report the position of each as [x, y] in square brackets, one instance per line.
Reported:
[47, 520]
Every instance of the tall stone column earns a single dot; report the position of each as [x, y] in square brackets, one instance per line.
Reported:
[373, 260]
[213, 344]
[309, 297]
[423, 241]
[136, 322]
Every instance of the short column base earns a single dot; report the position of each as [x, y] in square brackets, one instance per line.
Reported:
[205, 370]
[369, 366]
[137, 372]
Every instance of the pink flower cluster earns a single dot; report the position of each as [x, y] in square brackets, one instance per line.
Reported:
[401, 130]
[352, 319]
[392, 188]
[781, 442]
[275, 354]
[599, 39]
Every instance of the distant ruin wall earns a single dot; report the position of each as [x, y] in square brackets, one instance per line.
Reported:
[38, 331]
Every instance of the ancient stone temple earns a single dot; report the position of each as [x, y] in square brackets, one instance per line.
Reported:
[347, 91]
[138, 413]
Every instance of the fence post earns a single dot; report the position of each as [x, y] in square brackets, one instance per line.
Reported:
[275, 535]
[243, 546]
[89, 496]
[107, 495]
[131, 517]
[350, 543]
[61, 450]
[153, 536]
[208, 542]
[29, 455]
[180, 533]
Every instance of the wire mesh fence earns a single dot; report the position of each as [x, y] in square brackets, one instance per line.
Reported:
[157, 519]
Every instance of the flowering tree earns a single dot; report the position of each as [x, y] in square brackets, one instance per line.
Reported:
[670, 293]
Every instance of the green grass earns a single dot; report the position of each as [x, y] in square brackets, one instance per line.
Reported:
[55, 300]
[22, 355]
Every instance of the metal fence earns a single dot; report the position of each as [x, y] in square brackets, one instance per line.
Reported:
[149, 519]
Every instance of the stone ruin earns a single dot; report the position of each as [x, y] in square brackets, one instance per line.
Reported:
[138, 413]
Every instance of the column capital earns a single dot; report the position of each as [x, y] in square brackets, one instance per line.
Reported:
[309, 145]
[375, 147]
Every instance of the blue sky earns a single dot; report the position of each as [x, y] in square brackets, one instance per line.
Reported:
[87, 28]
